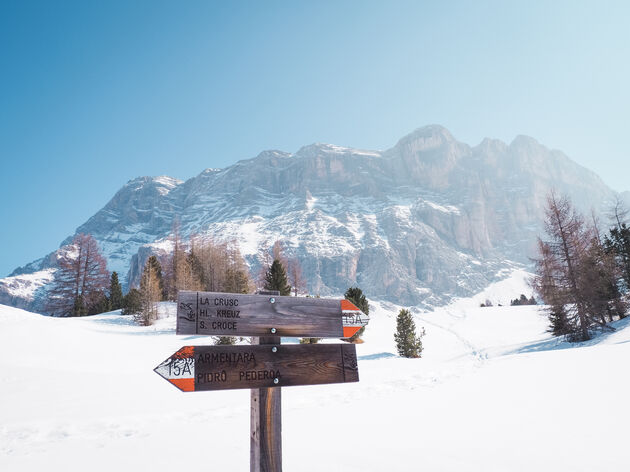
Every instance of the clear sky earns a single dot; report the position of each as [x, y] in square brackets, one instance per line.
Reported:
[93, 94]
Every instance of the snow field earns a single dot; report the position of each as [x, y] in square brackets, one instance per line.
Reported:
[493, 392]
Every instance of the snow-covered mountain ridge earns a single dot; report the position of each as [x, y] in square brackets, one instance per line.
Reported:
[427, 220]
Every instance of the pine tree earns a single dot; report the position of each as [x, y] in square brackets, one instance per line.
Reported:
[523, 300]
[132, 302]
[276, 278]
[617, 242]
[558, 321]
[407, 343]
[115, 293]
[100, 304]
[355, 295]
[153, 262]
[197, 273]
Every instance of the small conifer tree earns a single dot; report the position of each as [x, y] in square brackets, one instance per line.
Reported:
[156, 267]
[276, 278]
[558, 322]
[79, 309]
[115, 293]
[100, 304]
[407, 343]
[132, 302]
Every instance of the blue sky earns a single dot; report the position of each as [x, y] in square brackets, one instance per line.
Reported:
[93, 94]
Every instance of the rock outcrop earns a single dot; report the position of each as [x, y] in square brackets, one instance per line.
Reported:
[427, 220]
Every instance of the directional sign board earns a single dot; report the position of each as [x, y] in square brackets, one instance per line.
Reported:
[352, 319]
[198, 368]
[230, 314]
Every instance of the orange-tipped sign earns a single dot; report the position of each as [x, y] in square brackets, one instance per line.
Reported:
[199, 368]
[353, 319]
[231, 314]
[179, 369]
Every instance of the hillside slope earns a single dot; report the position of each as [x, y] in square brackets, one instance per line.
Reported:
[493, 392]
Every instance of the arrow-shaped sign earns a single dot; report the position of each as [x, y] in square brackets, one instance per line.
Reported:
[230, 314]
[353, 319]
[198, 368]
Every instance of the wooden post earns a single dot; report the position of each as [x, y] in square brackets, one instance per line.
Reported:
[267, 316]
[266, 423]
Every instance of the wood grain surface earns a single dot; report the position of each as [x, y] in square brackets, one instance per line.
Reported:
[261, 366]
[266, 423]
[228, 314]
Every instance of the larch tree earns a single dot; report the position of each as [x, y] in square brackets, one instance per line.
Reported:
[567, 245]
[547, 288]
[81, 278]
[236, 280]
[277, 252]
[151, 293]
[574, 275]
[296, 278]
[175, 265]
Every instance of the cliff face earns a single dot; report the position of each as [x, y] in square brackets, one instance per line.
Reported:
[420, 223]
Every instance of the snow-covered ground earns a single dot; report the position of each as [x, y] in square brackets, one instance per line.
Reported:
[493, 392]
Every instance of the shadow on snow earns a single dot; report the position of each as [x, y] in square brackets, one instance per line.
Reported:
[558, 343]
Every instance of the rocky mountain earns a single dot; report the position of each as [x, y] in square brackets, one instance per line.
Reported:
[427, 220]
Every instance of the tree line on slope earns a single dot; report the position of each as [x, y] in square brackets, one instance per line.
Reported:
[582, 275]
[83, 286]
[522, 300]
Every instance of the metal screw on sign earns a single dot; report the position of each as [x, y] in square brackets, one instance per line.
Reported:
[272, 300]
[273, 330]
[274, 349]
[276, 381]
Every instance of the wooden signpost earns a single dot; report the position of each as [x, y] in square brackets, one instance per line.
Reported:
[198, 368]
[231, 314]
[266, 364]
